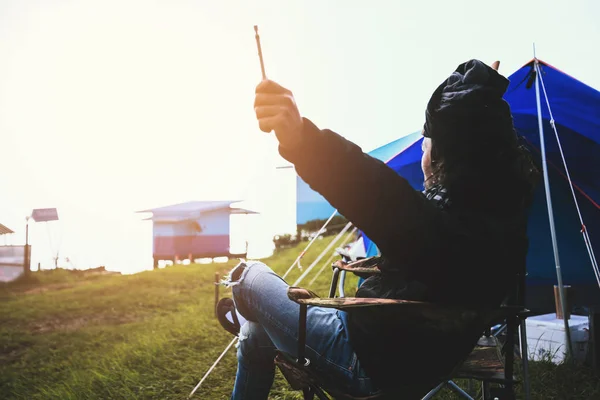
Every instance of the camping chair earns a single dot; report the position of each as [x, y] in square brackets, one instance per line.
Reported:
[484, 364]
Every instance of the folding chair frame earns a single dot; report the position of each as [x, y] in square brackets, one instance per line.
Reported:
[519, 320]
[300, 377]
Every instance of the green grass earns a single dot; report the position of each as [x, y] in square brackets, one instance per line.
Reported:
[153, 335]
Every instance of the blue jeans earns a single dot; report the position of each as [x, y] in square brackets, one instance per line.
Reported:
[261, 297]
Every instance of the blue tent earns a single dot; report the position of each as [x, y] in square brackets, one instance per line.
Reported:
[576, 114]
[310, 205]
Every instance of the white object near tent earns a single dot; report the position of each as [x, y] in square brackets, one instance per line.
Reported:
[546, 339]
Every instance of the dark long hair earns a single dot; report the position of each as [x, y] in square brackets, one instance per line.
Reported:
[497, 176]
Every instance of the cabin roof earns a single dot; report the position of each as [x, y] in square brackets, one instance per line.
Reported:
[193, 210]
[4, 230]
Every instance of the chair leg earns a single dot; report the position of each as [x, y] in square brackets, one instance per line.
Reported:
[334, 281]
[342, 283]
[509, 355]
[308, 394]
[434, 391]
[525, 360]
[485, 390]
[458, 390]
[302, 333]
[500, 330]
[320, 394]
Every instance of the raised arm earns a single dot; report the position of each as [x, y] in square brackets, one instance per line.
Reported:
[365, 190]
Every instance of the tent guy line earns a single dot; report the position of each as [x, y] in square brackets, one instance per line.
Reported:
[584, 232]
[302, 253]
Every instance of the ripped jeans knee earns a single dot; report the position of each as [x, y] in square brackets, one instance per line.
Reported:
[236, 275]
[241, 280]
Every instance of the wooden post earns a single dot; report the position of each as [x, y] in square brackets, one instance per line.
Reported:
[216, 291]
[27, 258]
[568, 297]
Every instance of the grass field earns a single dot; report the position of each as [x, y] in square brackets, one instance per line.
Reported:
[153, 335]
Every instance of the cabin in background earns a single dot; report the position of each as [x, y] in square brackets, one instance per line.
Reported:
[196, 229]
[12, 258]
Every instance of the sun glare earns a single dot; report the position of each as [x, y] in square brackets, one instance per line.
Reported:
[111, 107]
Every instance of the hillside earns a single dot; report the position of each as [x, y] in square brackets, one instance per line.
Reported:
[152, 335]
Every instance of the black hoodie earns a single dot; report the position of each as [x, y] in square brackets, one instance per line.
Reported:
[447, 254]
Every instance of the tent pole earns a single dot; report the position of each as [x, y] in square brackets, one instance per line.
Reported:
[551, 213]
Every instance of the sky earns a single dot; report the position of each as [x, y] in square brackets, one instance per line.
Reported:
[109, 107]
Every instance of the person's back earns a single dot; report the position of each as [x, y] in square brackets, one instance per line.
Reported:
[475, 269]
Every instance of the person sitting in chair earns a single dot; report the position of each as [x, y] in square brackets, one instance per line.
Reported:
[462, 241]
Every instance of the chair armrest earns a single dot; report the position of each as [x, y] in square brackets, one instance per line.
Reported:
[439, 314]
[305, 296]
[363, 268]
